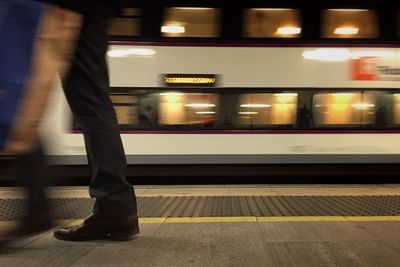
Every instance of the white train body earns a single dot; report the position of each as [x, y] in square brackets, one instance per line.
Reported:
[240, 66]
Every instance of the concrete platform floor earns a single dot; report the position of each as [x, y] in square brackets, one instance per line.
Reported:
[225, 241]
[228, 243]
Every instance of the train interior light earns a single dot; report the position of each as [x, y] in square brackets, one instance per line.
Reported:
[288, 30]
[346, 30]
[173, 29]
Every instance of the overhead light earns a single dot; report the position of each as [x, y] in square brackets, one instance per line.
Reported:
[255, 106]
[286, 94]
[328, 54]
[205, 112]
[200, 105]
[248, 113]
[172, 29]
[288, 30]
[346, 30]
[348, 10]
[131, 52]
[171, 94]
[363, 105]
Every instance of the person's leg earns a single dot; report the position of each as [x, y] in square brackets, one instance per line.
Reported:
[54, 40]
[32, 172]
[86, 88]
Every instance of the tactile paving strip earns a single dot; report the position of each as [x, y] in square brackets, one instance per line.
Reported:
[220, 206]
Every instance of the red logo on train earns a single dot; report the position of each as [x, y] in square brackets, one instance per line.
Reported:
[364, 69]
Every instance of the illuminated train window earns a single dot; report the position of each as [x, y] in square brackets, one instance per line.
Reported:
[349, 23]
[196, 109]
[267, 109]
[191, 22]
[126, 109]
[344, 109]
[398, 24]
[128, 24]
[272, 23]
[396, 109]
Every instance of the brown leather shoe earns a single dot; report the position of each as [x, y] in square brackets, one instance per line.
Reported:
[29, 226]
[100, 228]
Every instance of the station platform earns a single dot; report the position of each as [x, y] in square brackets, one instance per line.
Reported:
[246, 225]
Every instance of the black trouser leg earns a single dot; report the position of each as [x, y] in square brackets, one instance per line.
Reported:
[86, 88]
[32, 172]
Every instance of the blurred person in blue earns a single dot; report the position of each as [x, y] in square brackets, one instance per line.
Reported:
[86, 87]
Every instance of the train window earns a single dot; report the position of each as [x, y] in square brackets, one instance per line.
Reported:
[383, 106]
[398, 23]
[126, 109]
[267, 109]
[344, 109]
[191, 22]
[197, 109]
[350, 23]
[272, 23]
[396, 109]
[129, 23]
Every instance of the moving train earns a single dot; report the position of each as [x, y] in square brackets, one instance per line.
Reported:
[270, 92]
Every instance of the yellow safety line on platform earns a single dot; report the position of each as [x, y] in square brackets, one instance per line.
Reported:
[160, 220]
[152, 220]
[210, 219]
[302, 219]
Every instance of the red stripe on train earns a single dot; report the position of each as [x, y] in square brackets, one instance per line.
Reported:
[253, 132]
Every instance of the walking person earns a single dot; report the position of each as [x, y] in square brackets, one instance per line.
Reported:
[86, 87]
[37, 41]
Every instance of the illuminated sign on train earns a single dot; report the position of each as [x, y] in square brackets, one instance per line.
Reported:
[374, 69]
[193, 80]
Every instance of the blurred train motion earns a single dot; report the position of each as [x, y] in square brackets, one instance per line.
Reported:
[262, 84]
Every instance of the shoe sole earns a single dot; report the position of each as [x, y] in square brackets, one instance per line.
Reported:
[113, 236]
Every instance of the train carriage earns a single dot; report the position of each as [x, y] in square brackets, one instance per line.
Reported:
[255, 83]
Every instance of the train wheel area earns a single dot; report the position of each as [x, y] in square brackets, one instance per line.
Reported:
[225, 225]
